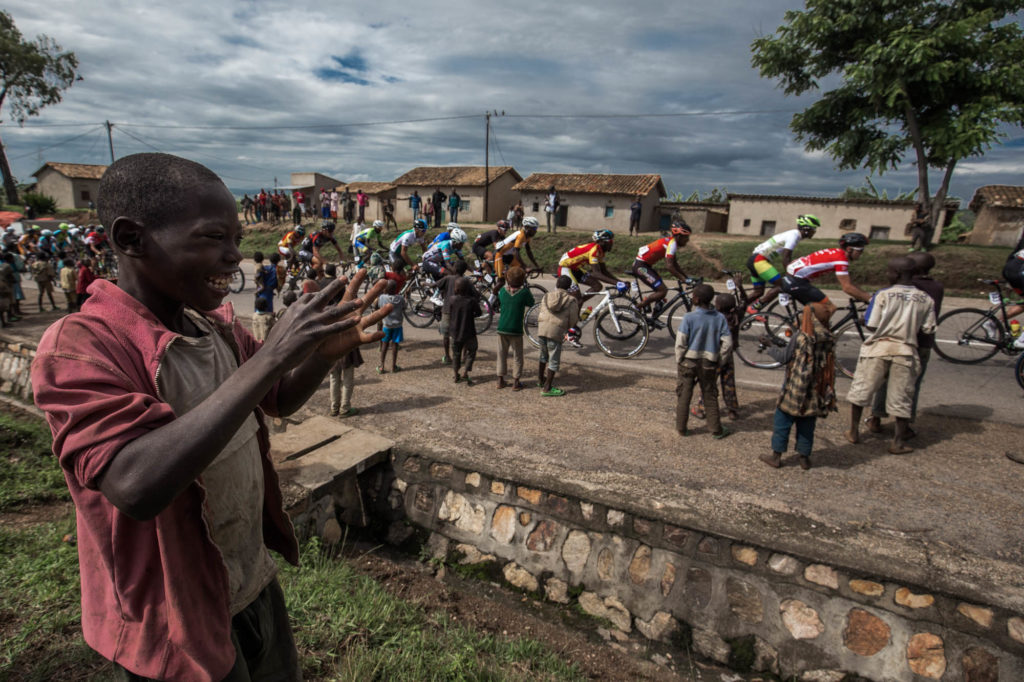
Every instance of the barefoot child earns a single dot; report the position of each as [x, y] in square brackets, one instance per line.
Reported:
[464, 310]
[393, 336]
[156, 397]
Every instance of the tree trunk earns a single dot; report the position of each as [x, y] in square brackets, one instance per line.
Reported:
[10, 189]
[939, 203]
[923, 191]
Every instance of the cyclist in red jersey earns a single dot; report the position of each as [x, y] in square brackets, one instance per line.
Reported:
[664, 248]
[797, 280]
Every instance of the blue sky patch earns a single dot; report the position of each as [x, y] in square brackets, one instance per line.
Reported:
[353, 61]
[338, 76]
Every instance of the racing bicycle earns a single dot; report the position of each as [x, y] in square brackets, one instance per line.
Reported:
[620, 329]
[423, 306]
[668, 312]
[968, 336]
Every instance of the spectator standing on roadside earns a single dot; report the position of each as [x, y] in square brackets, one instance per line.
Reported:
[515, 299]
[559, 310]
[6, 291]
[518, 213]
[898, 314]
[67, 283]
[415, 202]
[465, 308]
[262, 319]
[702, 341]
[454, 201]
[335, 203]
[300, 207]
[635, 209]
[362, 200]
[919, 228]
[808, 391]
[726, 304]
[344, 205]
[551, 204]
[247, 212]
[437, 204]
[392, 324]
[43, 274]
[261, 206]
[389, 215]
[445, 290]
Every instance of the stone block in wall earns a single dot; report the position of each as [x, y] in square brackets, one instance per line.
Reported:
[472, 480]
[866, 634]
[458, 510]
[766, 657]
[698, 587]
[904, 597]
[819, 574]
[708, 644]
[660, 627]
[868, 588]
[668, 578]
[642, 527]
[557, 505]
[640, 565]
[556, 590]
[979, 665]
[525, 518]
[576, 551]
[518, 576]
[529, 494]
[744, 601]
[472, 556]
[978, 614]
[1015, 628]
[744, 555]
[609, 608]
[587, 511]
[615, 518]
[423, 500]
[542, 538]
[674, 535]
[926, 655]
[823, 676]
[801, 620]
[503, 524]
[497, 488]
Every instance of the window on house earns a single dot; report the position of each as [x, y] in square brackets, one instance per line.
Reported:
[85, 195]
[848, 224]
[746, 222]
[463, 205]
[767, 228]
[536, 206]
[879, 232]
[609, 211]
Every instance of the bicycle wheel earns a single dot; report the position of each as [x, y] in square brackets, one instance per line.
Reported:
[537, 290]
[1019, 371]
[530, 324]
[238, 281]
[749, 346]
[621, 332]
[483, 320]
[419, 309]
[673, 316]
[968, 336]
[849, 339]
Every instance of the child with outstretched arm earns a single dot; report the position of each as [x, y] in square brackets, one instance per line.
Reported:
[156, 397]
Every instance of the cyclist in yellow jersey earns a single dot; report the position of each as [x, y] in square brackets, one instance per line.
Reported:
[507, 252]
[289, 243]
[574, 261]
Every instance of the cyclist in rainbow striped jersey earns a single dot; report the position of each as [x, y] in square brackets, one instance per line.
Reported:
[761, 263]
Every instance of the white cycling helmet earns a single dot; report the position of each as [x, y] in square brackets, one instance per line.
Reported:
[378, 223]
[457, 235]
[531, 222]
[73, 231]
[453, 226]
[46, 233]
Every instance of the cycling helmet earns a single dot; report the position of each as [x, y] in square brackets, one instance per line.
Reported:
[300, 230]
[604, 236]
[74, 231]
[420, 224]
[46, 233]
[808, 222]
[680, 227]
[376, 259]
[457, 235]
[100, 229]
[853, 240]
[502, 225]
[65, 225]
[531, 223]
[328, 225]
[453, 226]
[377, 224]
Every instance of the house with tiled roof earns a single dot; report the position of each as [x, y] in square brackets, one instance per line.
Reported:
[593, 201]
[999, 211]
[762, 215]
[468, 182]
[72, 185]
[378, 194]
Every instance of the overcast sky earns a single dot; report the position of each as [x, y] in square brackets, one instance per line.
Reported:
[256, 90]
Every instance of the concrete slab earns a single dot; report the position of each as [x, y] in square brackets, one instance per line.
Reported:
[349, 454]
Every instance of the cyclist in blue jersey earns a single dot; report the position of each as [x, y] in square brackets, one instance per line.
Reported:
[439, 259]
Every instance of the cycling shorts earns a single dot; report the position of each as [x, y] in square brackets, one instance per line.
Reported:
[801, 289]
[500, 264]
[647, 274]
[305, 256]
[397, 262]
[762, 270]
[433, 268]
[577, 275]
[359, 249]
[482, 253]
[1013, 273]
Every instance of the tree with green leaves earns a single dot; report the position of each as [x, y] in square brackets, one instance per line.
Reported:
[936, 79]
[33, 74]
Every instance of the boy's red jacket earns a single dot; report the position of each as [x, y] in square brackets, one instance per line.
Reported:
[154, 593]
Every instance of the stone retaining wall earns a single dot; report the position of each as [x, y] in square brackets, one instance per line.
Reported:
[15, 363]
[736, 603]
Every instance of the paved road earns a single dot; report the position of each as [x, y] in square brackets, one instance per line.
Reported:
[985, 391]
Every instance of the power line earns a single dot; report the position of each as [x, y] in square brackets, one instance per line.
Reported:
[301, 127]
[724, 112]
[55, 144]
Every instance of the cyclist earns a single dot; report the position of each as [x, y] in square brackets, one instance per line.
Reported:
[45, 244]
[289, 243]
[27, 241]
[399, 249]
[488, 239]
[1013, 273]
[508, 252]
[797, 280]
[61, 240]
[761, 262]
[647, 256]
[439, 258]
[573, 262]
[443, 236]
[361, 243]
[312, 244]
[96, 242]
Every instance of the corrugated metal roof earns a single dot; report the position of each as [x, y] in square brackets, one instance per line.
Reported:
[79, 171]
[998, 196]
[592, 183]
[367, 187]
[452, 176]
[950, 203]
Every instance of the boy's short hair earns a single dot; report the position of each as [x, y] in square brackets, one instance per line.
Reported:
[463, 287]
[310, 287]
[275, 258]
[258, 257]
[331, 270]
[460, 267]
[725, 303]
[516, 276]
[391, 287]
[563, 282]
[262, 304]
[149, 188]
[289, 297]
[702, 294]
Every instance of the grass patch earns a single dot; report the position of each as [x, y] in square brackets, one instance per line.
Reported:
[30, 474]
[958, 265]
[349, 627]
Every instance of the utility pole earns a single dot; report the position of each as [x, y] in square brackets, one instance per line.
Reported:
[110, 140]
[487, 156]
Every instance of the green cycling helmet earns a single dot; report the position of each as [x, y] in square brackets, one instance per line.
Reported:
[808, 222]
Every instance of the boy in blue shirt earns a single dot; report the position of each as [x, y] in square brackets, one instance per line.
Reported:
[703, 340]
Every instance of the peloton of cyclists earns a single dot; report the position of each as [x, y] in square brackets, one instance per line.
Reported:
[762, 265]
[649, 255]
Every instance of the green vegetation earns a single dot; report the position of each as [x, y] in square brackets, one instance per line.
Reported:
[347, 626]
[42, 203]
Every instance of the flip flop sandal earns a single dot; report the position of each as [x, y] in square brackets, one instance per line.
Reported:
[554, 391]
